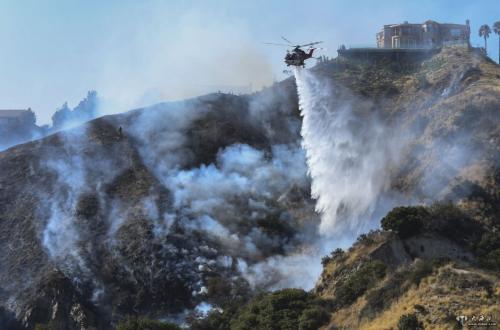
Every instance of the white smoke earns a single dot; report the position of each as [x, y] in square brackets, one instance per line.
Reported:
[78, 171]
[222, 200]
[299, 270]
[348, 155]
[241, 171]
[60, 235]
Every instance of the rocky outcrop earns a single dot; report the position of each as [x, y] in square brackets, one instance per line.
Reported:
[392, 252]
[430, 246]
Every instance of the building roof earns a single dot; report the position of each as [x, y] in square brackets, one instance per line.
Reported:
[403, 24]
[429, 21]
[13, 113]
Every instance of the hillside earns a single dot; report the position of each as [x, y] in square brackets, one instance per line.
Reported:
[88, 224]
[430, 264]
[448, 102]
[438, 273]
[428, 267]
[202, 201]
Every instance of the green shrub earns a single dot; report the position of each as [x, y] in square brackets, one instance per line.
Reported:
[433, 64]
[284, 309]
[409, 322]
[40, 326]
[396, 286]
[450, 221]
[141, 323]
[491, 260]
[312, 318]
[360, 281]
[325, 260]
[422, 81]
[406, 221]
[421, 269]
[224, 292]
[489, 241]
[379, 299]
[488, 250]
[334, 255]
[367, 239]
[214, 321]
[52, 325]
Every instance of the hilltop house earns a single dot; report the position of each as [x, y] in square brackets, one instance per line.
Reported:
[16, 118]
[430, 34]
[16, 126]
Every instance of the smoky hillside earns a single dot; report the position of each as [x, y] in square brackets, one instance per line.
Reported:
[138, 219]
[158, 210]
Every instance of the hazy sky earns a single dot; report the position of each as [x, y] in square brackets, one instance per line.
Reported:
[137, 52]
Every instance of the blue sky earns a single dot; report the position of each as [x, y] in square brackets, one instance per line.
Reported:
[139, 52]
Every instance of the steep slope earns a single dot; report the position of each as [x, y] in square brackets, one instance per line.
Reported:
[443, 112]
[446, 268]
[111, 224]
[448, 106]
[448, 101]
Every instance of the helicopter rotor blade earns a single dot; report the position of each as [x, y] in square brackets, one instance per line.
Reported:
[291, 43]
[275, 44]
[312, 43]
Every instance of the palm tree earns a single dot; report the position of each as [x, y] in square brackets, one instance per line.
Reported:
[496, 29]
[484, 31]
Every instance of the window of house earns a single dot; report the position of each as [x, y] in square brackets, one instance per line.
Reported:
[396, 43]
[456, 32]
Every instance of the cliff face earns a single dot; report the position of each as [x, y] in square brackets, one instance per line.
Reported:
[195, 201]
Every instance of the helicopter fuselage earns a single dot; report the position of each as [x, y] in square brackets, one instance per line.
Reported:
[297, 57]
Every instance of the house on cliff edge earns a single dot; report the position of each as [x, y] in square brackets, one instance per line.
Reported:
[429, 34]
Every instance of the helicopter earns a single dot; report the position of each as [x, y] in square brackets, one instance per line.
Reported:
[297, 55]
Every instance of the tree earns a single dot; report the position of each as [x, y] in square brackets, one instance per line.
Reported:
[61, 116]
[410, 322]
[405, 220]
[84, 111]
[484, 31]
[141, 323]
[496, 29]
[283, 309]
